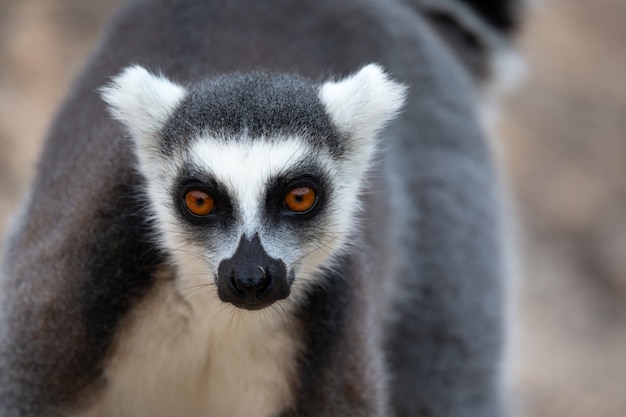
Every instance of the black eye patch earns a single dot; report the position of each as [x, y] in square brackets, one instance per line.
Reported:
[296, 196]
[192, 181]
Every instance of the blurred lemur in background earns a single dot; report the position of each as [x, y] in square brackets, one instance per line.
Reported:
[267, 208]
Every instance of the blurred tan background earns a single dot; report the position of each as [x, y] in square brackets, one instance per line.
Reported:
[565, 142]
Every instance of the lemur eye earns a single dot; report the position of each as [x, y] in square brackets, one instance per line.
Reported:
[199, 203]
[300, 200]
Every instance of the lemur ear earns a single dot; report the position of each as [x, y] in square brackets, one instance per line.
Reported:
[142, 101]
[362, 104]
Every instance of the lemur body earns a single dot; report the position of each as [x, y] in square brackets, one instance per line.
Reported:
[258, 243]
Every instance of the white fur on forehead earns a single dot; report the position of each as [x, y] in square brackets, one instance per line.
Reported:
[141, 100]
[362, 104]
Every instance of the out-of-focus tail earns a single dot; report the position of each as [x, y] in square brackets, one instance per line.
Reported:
[479, 31]
[502, 15]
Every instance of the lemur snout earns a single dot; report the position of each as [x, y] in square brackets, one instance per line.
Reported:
[252, 279]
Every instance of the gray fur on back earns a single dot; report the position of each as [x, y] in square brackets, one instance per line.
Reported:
[419, 330]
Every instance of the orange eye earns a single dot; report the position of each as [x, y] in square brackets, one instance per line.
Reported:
[199, 203]
[300, 200]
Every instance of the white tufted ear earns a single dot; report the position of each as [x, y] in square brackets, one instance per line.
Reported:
[142, 101]
[362, 104]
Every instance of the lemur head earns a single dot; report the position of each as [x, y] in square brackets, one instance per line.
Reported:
[253, 179]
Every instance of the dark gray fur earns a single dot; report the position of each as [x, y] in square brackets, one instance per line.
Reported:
[80, 257]
[255, 104]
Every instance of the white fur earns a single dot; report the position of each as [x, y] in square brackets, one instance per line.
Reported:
[142, 101]
[245, 168]
[198, 357]
[362, 104]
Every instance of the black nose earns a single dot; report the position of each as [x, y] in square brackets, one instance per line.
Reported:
[252, 279]
[251, 283]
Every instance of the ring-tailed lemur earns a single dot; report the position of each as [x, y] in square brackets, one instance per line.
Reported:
[251, 240]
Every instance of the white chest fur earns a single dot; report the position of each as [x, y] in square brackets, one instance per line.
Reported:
[172, 360]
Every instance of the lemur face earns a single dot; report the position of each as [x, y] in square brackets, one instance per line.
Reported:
[254, 180]
[258, 212]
